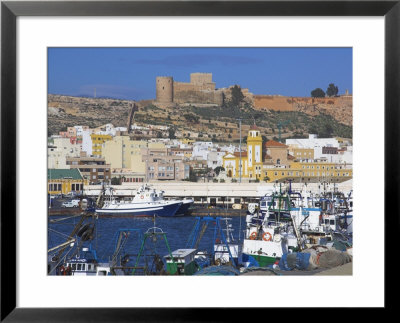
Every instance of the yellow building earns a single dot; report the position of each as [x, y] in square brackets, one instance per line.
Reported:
[252, 160]
[230, 162]
[314, 171]
[64, 181]
[97, 142]
[254, 153]
[272, 162]
[188, 141]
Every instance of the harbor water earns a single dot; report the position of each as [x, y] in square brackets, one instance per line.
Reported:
[177, 230]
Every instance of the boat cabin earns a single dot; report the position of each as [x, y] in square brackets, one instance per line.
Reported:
[182, 262]
[81, 266]
[147, 194]
[84, 264]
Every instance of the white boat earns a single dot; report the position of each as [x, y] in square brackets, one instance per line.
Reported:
[265, 241]
[85, 263]
[146, 202]
[186, 204]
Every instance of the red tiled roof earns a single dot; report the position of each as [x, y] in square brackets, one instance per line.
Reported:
[290, 157]
[273, 143]
[253, 127]
[244, 154]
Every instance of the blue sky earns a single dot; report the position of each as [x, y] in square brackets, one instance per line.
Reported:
[129, 73]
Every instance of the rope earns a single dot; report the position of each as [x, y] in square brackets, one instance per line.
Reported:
[60, 233]
[63, 258]
[62, 219]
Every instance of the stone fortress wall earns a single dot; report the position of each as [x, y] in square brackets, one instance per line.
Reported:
[200, 90]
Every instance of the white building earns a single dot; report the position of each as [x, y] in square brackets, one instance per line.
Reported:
[60, 150]
[111, 130]
[313, 142]
[214, 158]
[201, 148]
[87, 144]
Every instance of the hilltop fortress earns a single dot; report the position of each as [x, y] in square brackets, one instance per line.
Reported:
[201, 90]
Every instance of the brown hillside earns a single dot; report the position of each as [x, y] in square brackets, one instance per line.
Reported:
[341, 108]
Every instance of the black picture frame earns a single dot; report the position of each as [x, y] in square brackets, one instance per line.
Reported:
[10, 10]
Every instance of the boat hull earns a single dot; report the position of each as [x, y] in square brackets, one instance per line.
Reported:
[183, 209]
[157, 210]
[262, 253]
[262, 261]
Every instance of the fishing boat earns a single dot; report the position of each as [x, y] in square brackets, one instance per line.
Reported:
[224, 250]
[265, 240]
[146, 202]
[184, 208]
[85, 263]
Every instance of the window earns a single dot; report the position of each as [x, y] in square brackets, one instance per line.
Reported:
[79, 267]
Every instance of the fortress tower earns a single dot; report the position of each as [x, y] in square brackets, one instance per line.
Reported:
[164, 89]
[202, 80]
[200, 90]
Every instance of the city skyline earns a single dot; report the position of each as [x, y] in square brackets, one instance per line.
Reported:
[130, 73]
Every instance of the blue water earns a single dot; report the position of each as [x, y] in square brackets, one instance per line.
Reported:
[177, 230]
